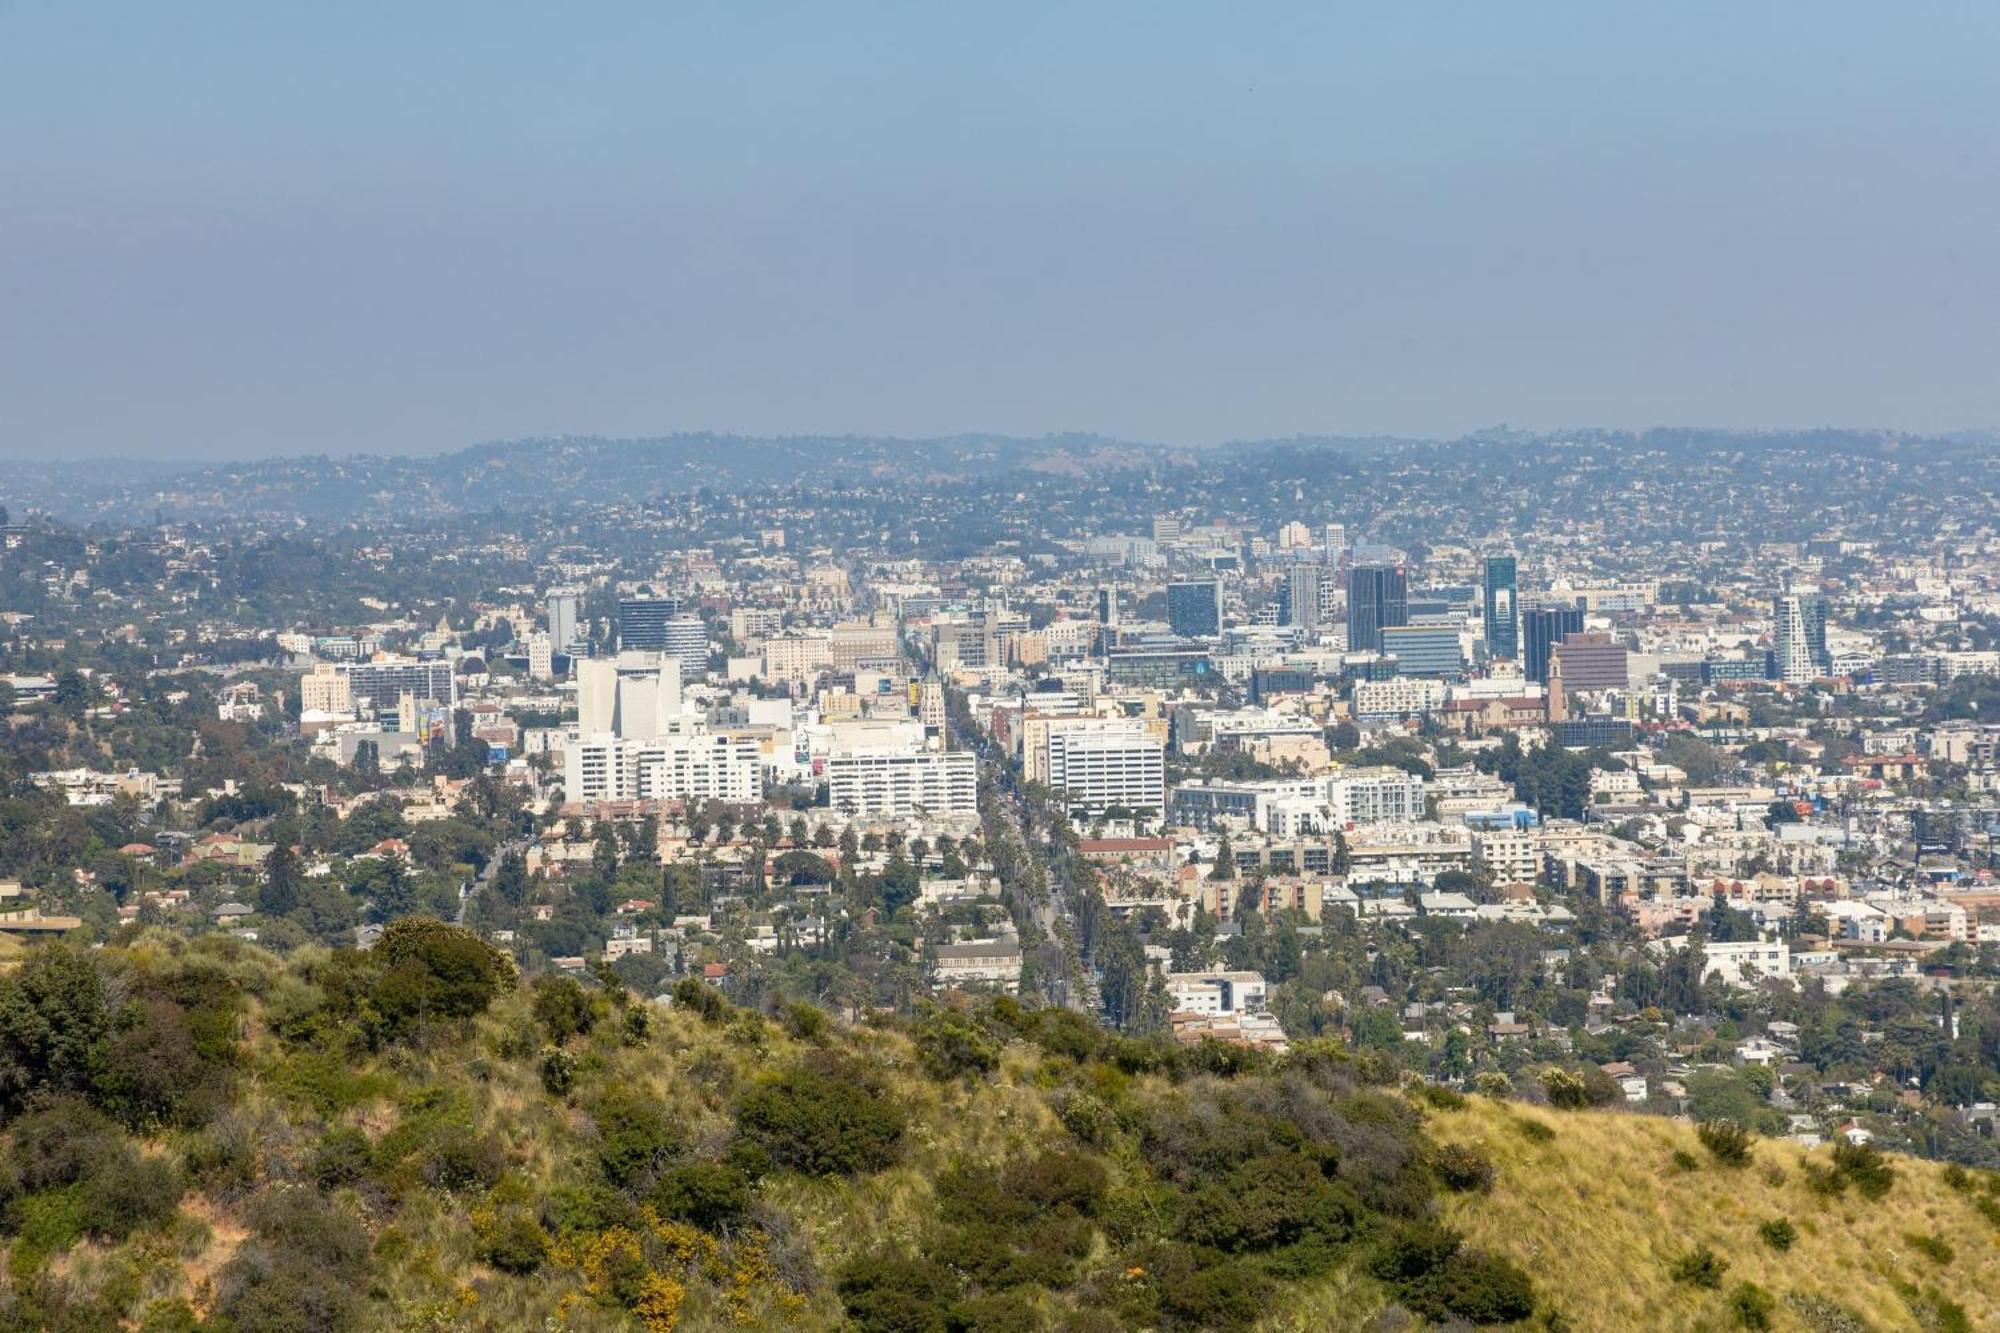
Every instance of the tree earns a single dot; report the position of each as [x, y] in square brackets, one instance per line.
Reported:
[1225, 859]
[279, 894]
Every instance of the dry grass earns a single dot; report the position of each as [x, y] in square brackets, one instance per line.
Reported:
[1597, 1214]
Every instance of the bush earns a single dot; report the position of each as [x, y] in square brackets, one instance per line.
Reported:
[888, 1292]
[434, 970]
[1685, 1161]
[563, 1007]
[342, 1157]
[1438, 1095]
[1866, 1167]
[1727, 1141]
[1778, 1233]
[511, 1241]
[1752, 1305]
[1535, 1131]
[130, 1192]
[1492, 1083]
[558, 1072]
[951, 1045]
[712, 1195]
[1432, 1273]
[700, 998]
[1699, 1267]
[819, 1125]
[1463, 1169]
[635, 1138]
[1935, 1248]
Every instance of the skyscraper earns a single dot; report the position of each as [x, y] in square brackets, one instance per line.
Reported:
[1541, 631]
[1194, 608]
[1378, 596]
[1503, 623]
[565, 616]
[642, 622]
[1798, 640]
[1302, 596]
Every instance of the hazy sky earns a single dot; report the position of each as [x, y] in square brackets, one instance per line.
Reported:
[268, 227]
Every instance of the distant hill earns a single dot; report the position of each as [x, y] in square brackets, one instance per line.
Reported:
[539, 473]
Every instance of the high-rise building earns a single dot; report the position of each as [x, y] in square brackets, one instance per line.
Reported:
[633, 696]
[1541, 631]
[1194, 608]
[541, 656]
[1591, 662]
[382, 683]
[1424, 650]
[686, 640]
[1503, 622]
[1099, 769]
[1166, 528]
[1107, 606]
[1303, 596]
[1378, 596]
[565, 616]
[900, 783]
[642, 622]
[692, 767]
[1798, 641]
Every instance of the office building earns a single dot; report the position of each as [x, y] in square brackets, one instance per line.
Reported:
[1503, 625]
[1541, 631]
[642, 622]
[633, 696]
[1592, 662]
[1098, 769]
[565, 607]
[1798, 641]
[897, 784]
[1303, 596]
[686, 641]
[1194, 608]
[1378, 597]
[541, 656]
[1424, 650]
[1107, 606]
[381, 683]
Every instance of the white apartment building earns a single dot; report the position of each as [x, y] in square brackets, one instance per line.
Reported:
[1378, 700]
[696, 767]
[1513, 856]
[1099, 769]
[899, 783]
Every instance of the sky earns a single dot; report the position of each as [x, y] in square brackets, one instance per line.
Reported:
[250, 229]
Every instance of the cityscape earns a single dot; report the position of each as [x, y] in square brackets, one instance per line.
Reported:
[1034, 668]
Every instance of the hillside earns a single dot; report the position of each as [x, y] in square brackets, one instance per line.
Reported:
[203, 1136]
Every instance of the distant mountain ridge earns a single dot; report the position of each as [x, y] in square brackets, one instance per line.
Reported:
[543, 472]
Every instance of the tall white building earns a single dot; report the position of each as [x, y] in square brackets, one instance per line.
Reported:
[565, 616]
[694, 767]
[633, 696]
[899, 783]
[1098, 769]
[1799, 637]
[687, 643]
[541, 656]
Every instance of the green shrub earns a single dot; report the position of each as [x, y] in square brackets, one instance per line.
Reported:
[558, 1072]
[1438, 1095]
[1699, 1267]
[1957, 1178]
[1685, 1161]
[130, 1192]
[891, 1292]
[712, 1195]
[1463, 1169]
[1778, 1233]
[1726, 1141]
[807, 1023]
[635, 1138]
[1866, 1167]
[342, 1157]
[1431, 1272]
[510, 1240]
[1824, 1181]
[563, 1007]
[819, 1125]
[1535, 1131]
[1086, 1116]
[952, 1045]
[1492, 1083]
[1752, 1305]
[700, 998]
[1935, 1248]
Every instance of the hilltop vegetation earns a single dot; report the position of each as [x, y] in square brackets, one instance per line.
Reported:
[202, 1136]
